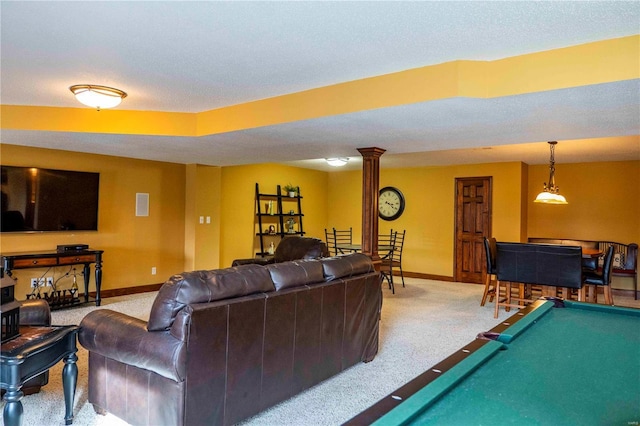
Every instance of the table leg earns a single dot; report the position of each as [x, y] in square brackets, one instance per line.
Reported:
[86, 271]
[69, 381]
[98, 280]
[12, 413]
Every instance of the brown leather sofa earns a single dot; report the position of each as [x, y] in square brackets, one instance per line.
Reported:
[223, 345]
[291, 248]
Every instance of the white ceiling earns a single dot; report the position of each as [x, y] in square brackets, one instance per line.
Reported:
[197, 56]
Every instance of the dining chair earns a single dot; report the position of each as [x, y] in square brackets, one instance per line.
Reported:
[595, 279]
[342, 238]
[330, 239]
[490, 282]
[386, 257]
[394, 258]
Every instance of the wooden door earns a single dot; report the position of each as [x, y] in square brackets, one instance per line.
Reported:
[473, 223]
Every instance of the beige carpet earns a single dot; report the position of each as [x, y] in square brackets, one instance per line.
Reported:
[421, 325]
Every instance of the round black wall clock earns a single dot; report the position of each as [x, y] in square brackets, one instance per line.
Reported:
[390, 203]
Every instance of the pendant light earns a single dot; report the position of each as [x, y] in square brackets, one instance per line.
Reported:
[550, 194]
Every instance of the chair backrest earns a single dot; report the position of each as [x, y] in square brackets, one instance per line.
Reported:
[607, 266]
[398, 245]
[387, 240]
[331, 241]
[555, 265]
[342, 236]
[490, 254]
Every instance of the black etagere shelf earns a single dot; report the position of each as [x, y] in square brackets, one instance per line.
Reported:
[278, 215]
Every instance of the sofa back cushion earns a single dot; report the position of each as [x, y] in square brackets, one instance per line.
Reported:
[294, 248]
[296, 273]
[205, 286]
[346, 266]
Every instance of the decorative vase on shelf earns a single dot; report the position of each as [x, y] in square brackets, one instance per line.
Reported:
[272, 248]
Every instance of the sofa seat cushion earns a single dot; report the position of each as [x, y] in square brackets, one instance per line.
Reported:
[203, 287]
[296, 273]
[346, 266]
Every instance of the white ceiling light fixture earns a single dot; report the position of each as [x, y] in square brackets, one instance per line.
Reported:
[337, 162]
[551, 193]
[98, 96]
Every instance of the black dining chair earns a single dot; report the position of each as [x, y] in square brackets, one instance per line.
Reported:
[491, 278]
[343, 237]
[330, 239]
[601, 278]
[386, 257]
[393, 259]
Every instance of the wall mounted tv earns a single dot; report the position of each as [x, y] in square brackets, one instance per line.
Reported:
[39, 200]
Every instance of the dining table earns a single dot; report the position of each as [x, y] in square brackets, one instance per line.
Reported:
[344, 248]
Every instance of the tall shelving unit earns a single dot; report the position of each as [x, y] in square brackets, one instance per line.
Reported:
[284, 210]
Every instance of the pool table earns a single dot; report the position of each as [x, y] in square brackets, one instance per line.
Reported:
[553, 363]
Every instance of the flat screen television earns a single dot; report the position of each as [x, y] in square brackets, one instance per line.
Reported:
[40, 200]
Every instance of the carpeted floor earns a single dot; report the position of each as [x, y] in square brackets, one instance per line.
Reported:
[421, 324]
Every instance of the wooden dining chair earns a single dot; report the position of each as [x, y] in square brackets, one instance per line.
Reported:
[386, 257]
[595, 279]
[491, 280]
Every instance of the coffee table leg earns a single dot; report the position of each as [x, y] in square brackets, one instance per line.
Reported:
[12, 414]
[69, 380]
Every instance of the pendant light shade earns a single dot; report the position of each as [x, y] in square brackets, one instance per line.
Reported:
[551, 193]
[99, 97]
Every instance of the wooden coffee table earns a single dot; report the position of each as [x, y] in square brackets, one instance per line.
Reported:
[35, 350]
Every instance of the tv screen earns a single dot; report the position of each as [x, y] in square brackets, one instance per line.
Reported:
[37, 200]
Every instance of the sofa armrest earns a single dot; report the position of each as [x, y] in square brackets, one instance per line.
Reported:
[35, 312]
[126, 339]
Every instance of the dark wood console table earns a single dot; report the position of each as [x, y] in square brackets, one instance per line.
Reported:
[52, 258]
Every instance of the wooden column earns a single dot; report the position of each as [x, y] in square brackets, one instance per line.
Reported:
[370, 184]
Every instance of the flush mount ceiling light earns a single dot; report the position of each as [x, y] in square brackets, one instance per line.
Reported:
[98, 96]
[337, 162]
[550, 194]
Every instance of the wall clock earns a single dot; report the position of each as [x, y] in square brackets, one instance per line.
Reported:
[390, 203]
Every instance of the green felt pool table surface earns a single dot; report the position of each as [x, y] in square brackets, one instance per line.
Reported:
[572, 365]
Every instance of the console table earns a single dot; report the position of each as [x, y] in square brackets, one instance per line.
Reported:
[35, 350]
[52, 258]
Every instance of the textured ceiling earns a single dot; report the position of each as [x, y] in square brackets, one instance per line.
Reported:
[198, 56]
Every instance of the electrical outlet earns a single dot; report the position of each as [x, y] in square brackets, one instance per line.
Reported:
[50, 281]
[153, 270]
[37, 282]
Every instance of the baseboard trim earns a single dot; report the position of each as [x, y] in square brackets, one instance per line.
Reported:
[127, 291]
[425, 276]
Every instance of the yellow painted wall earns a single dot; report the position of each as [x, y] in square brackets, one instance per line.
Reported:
[604, 202]
[132, 245]
[429, 214]
[238, 206]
